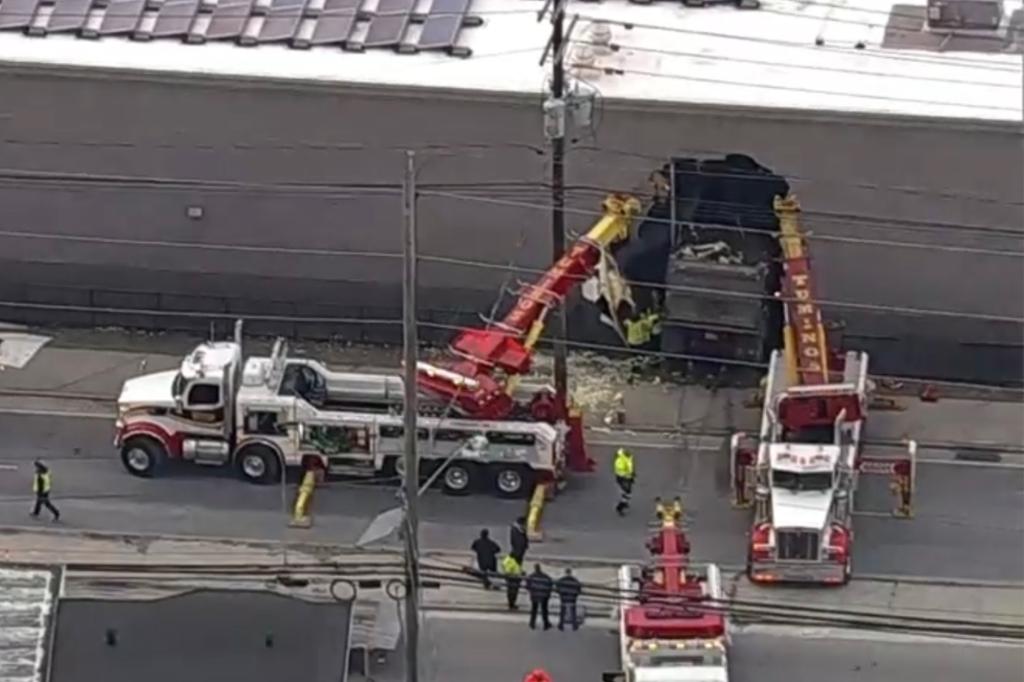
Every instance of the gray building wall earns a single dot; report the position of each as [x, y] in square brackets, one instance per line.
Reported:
[262, 137]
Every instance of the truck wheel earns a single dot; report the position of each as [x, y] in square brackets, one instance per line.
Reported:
[259, 464]
[458, 478]
[142, 456]
[512, 481]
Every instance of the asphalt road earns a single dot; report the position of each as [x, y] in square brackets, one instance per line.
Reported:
[968, 522]
[454, 649]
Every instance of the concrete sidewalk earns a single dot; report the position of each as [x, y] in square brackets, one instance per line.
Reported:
[456, 590]
[91, 366]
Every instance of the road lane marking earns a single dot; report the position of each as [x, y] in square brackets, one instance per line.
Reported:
[57, 413]
[8, 467]
[852, 634]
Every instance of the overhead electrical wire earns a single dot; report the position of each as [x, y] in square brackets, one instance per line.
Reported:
[733, 59]
[302, 319]
[82, 181]
[619, 71]
[730, 228]
[454, 149]
[962, 62]
[663, 159]
[437, 574]
[489, 265]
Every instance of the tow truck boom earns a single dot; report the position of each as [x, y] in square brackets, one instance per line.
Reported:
[480, 377]
[807, 351]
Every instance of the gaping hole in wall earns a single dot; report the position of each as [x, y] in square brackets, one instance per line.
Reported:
[705, 258]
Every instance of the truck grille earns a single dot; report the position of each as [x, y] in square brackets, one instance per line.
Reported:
[797, 544]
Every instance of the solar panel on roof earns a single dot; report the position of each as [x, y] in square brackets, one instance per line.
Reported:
[282, 20]
[121, 16]
[442, 25]
[389, 23]
[17, 13]
[174, 18]
[335, 22]
[69, 15]
[229, 19]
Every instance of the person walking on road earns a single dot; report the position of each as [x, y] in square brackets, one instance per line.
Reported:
[513, 572]
[41, 484]
[569, 589]
[486, 551]
[625, 476]
[540, 586]
[518, 540]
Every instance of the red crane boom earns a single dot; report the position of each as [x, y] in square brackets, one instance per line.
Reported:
[807, 351]
[480, 377]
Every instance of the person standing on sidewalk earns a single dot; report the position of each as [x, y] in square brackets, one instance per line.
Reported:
[625, 476]
[569, 589]
[513, 572]
[540, 586]
[518, 540]
[41, 484]
[486, 551]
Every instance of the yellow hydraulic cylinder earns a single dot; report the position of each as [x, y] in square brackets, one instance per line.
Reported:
[540, 493]
[301, 518]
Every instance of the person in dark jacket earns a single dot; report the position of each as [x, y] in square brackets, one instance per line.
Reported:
[540, 586]
[486, 551]
[518, 540]
[569, 589]
[41, 484]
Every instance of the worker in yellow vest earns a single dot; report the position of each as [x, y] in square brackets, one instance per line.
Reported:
[625, 475]
[640, 331]
[41, 484]
[512, 570]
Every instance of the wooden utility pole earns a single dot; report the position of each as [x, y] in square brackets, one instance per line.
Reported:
[410, 411]
[555, 124]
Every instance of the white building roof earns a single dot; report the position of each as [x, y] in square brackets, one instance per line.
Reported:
[812, 55]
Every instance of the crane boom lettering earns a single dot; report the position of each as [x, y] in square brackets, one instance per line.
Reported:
[806, 345]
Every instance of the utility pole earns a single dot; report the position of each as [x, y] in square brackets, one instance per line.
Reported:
[555, 129]
[410, 411]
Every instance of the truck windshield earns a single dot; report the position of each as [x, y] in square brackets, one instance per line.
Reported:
[791, 480]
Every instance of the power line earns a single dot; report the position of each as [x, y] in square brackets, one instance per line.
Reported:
[745, 209]
[351, 191]
[790, 177]
[469, 149]
[617, 71]
[296, 319]
[90, 182]
[826, 303]
[490, 265]
[852, 22]
[731, 228]
[874, 10]
[962, 62]
[621, 47]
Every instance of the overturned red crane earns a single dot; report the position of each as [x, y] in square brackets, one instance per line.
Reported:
[480, 377]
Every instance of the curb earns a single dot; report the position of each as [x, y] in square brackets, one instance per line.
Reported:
[464, 556]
